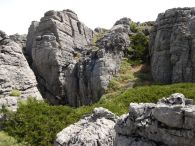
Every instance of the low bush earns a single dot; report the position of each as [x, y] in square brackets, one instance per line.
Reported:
[37, 122]
[139, 48]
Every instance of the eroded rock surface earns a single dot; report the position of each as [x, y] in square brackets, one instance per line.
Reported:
[15, 74]
[19, 39]
[94, 130]
[69, 69]
[173, 46]
[170, 122]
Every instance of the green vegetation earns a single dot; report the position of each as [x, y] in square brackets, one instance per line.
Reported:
[6, 140]
[123, 79]
[139, 47]
[37, 122]
[15, 92]
[134, 27]
[138, 50]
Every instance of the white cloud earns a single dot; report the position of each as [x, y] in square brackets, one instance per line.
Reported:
[16, 15]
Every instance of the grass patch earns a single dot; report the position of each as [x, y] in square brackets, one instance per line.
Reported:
[6, 140]
[38, 123]
[15, 92]
[123, 79]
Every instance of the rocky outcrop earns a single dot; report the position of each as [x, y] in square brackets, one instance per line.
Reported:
[69, 69]
[170, 122]
[19, 39]
[173, 46]
[94, 130]
[15, 74]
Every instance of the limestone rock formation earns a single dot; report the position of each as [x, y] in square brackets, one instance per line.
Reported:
[94, 130]
[15, 74]
[69, 69]
[173, 46]
[19, 39]
[170, 122]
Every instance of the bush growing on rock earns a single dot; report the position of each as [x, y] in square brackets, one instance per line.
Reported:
[134, 27]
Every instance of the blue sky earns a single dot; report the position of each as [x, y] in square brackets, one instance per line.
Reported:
[16, 15]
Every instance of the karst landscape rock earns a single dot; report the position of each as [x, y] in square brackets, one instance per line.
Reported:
[61, 61]
[69, 69]
[170, 122]
[172, 46]
[15, 74]
[96, 129]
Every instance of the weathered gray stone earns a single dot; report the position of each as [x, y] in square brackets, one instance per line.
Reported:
[172, 46]
[15, 73]
[122, 140]
[19, 39]
[30, 39]
[94, 130]
[100, 30]
[10, 102]
[123, 21]
[68, 69]
[170, 122]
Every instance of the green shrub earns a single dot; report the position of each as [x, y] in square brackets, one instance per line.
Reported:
[15, 92]
[139, 47]
[38, 123]
[133, 27]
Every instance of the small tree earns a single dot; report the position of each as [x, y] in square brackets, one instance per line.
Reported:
[139, 47]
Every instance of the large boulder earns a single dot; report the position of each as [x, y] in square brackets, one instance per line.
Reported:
[17, 80]
[69, 69]
[94, 130]
[170, 122]
[173, 46]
